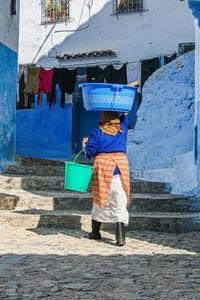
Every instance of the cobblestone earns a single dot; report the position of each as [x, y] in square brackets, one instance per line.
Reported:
[52, 264]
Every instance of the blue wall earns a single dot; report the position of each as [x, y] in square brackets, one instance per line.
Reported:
[165, 125]
[161, 147]
[44, 132]
[8, 85]
[48, 133]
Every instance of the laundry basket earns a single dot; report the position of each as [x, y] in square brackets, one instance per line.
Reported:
[77, 176]
[105, 96]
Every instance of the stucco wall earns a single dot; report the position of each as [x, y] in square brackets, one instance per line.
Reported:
[164, 132]
[197, 94]
[9, 28]
[44, 132]
[9, 31]
[156, 31]
[8, 77]
[195, 8]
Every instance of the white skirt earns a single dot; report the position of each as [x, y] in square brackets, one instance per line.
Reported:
[115, 207]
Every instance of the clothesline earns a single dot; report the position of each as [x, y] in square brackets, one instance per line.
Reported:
[113, 62]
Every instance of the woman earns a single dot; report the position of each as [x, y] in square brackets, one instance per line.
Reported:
[110, 179]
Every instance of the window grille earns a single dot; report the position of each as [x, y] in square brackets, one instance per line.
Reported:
[54, 11]
[127, 6]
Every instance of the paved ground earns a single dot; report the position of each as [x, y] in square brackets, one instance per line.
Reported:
[52, 264]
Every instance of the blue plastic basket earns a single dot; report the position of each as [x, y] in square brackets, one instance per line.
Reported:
[105, 96]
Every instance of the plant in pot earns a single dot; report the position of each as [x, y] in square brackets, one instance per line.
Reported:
[127, 5]
[64, 10]
[52, 10]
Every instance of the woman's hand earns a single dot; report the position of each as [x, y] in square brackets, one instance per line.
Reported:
[84, 142]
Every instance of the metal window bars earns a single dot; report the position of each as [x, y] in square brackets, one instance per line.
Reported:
[54, 11]
[127, 6]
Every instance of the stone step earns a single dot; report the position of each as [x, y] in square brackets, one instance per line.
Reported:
[26, 170]
[32, 161]
[161, 222]
[83, 201]
[56, 183]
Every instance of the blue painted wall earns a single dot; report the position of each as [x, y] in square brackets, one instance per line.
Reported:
[8, 86]
[44, 132]
[195, 7]
[165, 125]
[51, 133]
[161, 147]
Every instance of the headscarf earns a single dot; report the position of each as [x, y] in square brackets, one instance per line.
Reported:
[110, 123]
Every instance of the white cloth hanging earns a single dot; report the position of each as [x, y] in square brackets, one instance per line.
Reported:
[134, 72]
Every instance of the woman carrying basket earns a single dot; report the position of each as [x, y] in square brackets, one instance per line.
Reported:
[110, 179]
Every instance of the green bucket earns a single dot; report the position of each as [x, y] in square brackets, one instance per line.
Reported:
[77, 176]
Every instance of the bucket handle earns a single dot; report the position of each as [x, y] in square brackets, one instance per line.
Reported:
[78, 155]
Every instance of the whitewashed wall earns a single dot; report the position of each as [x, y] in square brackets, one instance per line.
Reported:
[9, 25]
[157, 31]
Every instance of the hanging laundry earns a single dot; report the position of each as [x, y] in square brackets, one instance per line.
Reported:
[108, 75]
[66, 79]
[134, 72]
[162, 61]
[149, 66]
[22, 70]
[119, 75]
[81, 77]
[31, 98]
[45, 84]
[97, 74]
[32, 83]
[168, 59]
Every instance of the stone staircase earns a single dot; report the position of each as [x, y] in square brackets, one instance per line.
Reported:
[32, 195]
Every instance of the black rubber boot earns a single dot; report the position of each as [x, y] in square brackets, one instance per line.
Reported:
[95, 234]
[120, 234]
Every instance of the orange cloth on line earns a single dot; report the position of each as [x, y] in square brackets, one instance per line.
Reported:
[104, 166]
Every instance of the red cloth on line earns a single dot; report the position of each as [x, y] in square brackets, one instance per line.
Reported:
[45, 83]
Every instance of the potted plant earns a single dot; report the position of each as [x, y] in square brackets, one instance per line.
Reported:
[63, 10]
[52, 10]
[127, 5]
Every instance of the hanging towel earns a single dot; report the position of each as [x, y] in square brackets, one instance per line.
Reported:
[162, 61]
[134, 72]
[149, 66]
[119, 75]
[22, 71]
[97, 74]
[81, 77]
[45, 77]
[31, 98]
[32, 83]
[168, 59]
[66, 79]
[108, 75]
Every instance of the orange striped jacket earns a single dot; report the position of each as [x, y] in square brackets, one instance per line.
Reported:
[104, 166]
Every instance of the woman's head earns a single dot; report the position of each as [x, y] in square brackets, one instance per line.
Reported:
[110, 116]
[110, 123]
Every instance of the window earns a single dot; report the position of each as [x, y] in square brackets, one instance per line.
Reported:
[54, 11]
[127, 6]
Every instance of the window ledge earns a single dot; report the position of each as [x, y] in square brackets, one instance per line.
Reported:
[130, 13]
